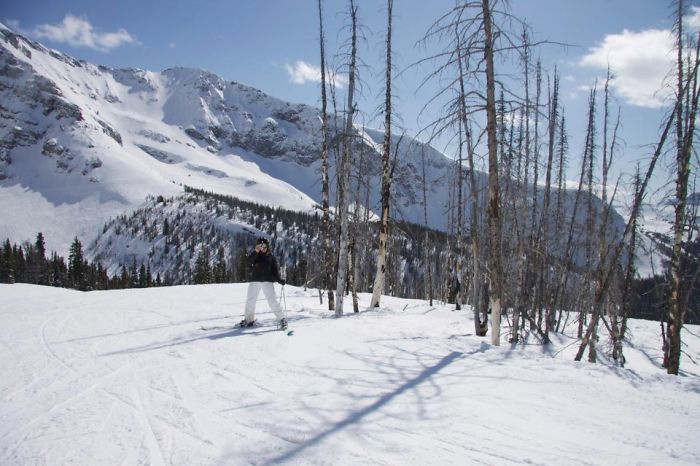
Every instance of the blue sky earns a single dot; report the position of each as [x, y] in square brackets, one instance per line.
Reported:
[273, 45]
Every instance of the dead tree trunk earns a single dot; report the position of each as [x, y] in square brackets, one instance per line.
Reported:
[386, 176]
[555, 300]
[328, 261]
[480, 312]
[619, 324]
[686, 111]
[426, 239]
[495, 288]
[544, 247]
[344, 169]
[607, 274]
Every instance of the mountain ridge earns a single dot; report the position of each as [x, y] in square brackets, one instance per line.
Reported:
[81, 144]
[116, 136]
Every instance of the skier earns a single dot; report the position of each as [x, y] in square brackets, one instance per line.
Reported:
[264, 274]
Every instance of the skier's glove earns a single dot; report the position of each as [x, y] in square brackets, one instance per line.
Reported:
[282, 282]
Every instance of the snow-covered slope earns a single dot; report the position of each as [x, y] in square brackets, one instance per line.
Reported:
[655, 223]
[81, 143]
[130, 377]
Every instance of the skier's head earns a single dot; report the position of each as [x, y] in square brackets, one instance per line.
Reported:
[263, 243]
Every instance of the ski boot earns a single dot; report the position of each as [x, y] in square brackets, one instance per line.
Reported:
[245, 324]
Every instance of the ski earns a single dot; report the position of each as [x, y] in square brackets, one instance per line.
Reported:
[218, 327]
[238, 326]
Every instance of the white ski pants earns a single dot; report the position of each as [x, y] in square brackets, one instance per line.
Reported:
[268, 289]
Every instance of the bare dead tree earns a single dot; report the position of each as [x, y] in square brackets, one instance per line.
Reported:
[686, 111]
[608, 157]
[328, 261]
[619, 321]
[460, 185]
[495, 272]
[480, 312]
[586, 180]
[480, 39]
[523, 237]
[543, 246]
[359, 227]
[562, 148]
[568, 251]
[535, 231]
[335, 145]
[607, 273]
[426, 239]
[343, 170]
[386, 176]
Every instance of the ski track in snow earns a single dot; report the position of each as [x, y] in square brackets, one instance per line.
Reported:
[129, 377]
[155, 454]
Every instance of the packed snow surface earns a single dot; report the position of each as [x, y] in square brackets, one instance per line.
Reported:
[158, 376]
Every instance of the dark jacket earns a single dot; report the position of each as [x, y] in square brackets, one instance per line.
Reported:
[264, 266]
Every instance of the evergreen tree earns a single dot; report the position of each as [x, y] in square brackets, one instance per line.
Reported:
[143, 277]
[40, 245]
[242, 267]
[58, 271]
[40, 265]
[133, 274]
[76, 266]
[20, 264]
[7, 270]
[220, 271]
[202, 270]
[124, 278]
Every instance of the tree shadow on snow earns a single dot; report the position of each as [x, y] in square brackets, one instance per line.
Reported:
[146, 328]
[215, 334]
[402, 375]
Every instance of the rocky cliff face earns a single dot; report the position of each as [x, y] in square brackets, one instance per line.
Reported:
[225, 116]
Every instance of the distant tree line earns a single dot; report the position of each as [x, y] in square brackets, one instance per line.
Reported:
[190, 240]
[650, 294]
[297, 242]
[29, 263]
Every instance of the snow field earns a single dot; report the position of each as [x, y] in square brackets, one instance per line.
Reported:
[130, 377]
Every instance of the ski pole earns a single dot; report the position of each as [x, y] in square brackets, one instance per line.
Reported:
[283, 274]
[284, 302]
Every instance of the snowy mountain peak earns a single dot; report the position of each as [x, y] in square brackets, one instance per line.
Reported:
[81, 144]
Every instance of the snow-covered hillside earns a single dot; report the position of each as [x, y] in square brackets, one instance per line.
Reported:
[131, 377]
[81, 143]
[655, 222]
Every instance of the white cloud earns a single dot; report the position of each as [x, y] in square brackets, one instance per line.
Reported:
[692, 21]
[78, 32]
[301, 72]
[13, 24]
[640, 61]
